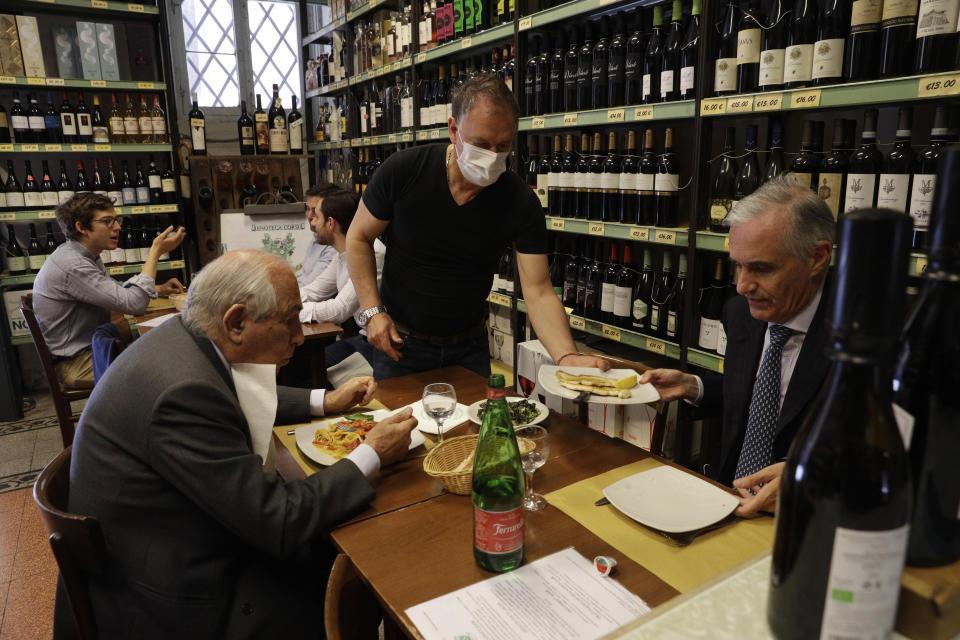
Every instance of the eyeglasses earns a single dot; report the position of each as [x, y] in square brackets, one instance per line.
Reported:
[109, 220]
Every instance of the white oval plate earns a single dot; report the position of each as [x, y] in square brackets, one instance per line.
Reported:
[639, 394]
[671, 500]
[474, 410]
[305, 435]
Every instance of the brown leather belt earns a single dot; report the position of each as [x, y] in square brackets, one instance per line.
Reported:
[442, 341]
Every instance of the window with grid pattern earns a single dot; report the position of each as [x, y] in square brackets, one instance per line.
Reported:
[211, 49]
[275, 49]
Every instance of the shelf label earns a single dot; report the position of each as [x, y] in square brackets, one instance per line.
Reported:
[406, 137]
[939, 86]
[29, 147]
[656, 346]
[557, 224]
[726, 244]
[466, 43]
[615, 115]
[713, 107]
[771, 102]
[115, 271]
[595, 228]
[666, 237]
[435, 134]
[578, 323]
[135, 7]
[36, 81]
[162, 208]
[98, 4]
[421, 57]
[610, 332]
[47, 214]
[145, 85]
[8, 80]
[741, 104]
[499, 298]
[392, 137]
[526, 23]
[720, 366]
[53, 147]
[805, 99]
[921, 267]
[102, 147]
[539, 123]
[78, 147]
[138, 209]
[8, 216]
[570, 119]
[640, 234]
[6, 147]
[54, 82]
[349, 15]
[643, 113]
[176, 264]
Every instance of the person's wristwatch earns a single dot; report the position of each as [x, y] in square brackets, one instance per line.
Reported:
[366, 314]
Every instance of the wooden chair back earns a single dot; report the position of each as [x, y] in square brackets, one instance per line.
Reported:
[62, 396]
[350, 611]
[76, 541]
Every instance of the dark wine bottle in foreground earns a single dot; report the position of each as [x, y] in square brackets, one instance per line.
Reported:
[844, 507]
[925, 178]
[898, 29]
[925, 383]
[863, 41]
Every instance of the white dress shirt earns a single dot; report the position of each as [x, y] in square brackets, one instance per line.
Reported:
[331, 297]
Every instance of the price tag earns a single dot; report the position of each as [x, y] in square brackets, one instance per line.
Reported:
[78, 147]
[8, 216]
[539, 123]
[47, 214]
[720, 366]
[921, 267]
[741, 104]
[138, 210]
[421, 57]
[557, 224]
[115, 271]
[163, 208]
[643, 113]
[392, 137]
[29, 147]
[526, 23]
[640, 234]
[98, 83]
[54, 82]
[49, 1]
[406, 62]
[145, 85]
[98, 4]
[176, 264]
[53, 147]
[6, 147]
[102, 147]
[666, 237]
[406, 137]
[771, 102]
[499, 299]
[466, 43]
[8, 80]
[939, 86]
[726, 244]
[595, 229]
[570, 119]
[136, 8]
[435, 134]
[349, 15]
[578, 323]
[615, 115]
[713, 107]
[36, 81]
[805, 99]
[656, 346]
[610, 332]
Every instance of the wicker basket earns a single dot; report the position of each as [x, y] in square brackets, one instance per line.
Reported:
[443, 460]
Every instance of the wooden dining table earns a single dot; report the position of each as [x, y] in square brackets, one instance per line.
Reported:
[414, 542]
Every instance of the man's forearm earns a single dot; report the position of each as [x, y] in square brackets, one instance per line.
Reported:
[549, 320]
[363, 272]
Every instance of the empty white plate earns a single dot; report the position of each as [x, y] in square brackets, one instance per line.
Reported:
[671, 500]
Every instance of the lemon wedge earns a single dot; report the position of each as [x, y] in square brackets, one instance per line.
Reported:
[627, 383]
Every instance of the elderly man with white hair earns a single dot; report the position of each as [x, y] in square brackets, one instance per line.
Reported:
[202, 540]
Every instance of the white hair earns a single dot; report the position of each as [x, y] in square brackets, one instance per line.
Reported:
[244, 277]
[809, 219]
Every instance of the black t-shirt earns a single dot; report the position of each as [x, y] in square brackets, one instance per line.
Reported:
[441, 257]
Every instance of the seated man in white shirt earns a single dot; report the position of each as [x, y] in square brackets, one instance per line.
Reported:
[331, 297]
[318, 256]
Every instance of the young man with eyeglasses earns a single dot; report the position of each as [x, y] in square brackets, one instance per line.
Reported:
[73, 294]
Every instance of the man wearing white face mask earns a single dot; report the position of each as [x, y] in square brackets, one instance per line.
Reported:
[447, 211]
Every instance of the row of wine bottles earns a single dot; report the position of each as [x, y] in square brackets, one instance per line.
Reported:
[267, 132]
[842, 41]
[29, 259]
[368, 161]
[146, 186]
[599, 183]
[68, 123]
[847, 177]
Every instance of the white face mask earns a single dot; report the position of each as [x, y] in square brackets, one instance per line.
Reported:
[479, 166]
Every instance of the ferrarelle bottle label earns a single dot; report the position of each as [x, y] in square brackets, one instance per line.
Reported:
[798, 61]
[498, 532]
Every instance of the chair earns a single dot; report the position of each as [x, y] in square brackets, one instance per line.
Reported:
[62, 396]
[76, 540]
[350, 611]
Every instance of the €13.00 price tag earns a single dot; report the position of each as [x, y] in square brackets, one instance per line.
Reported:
[938, 86]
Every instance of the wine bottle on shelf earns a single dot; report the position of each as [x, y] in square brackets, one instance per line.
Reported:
[925, 382]
[925, 178]
[406, 104]
[775, 162]
[144, 241]
[711, 309]
[51, 122]
[610, 182]
[595, 183]
[198, 127]
[629, 192]
[893, 191]
[4, 126]
[114, 188]
[31, 189]
[633, 63]
[48, 190]
[128, 192]
[675, 304]
[553, 180]
[145, 121]
[131, 249]
[245, 130]
[623, 289]
[832, 179]
[598, 70]
[667, 184]
[689, 54]
[571, 270]
[832, 26]
[608, 286]
[936, 39]
[101, 129]
[131, 129]
[97, 185]
[13, 189]
[898, 31]
[38, 250]
[591, 303]
[64, 184]
[798, 56]
[585, 68]
[653, 59]
[670, 60]
[642, 290]
[616, 63]
[16, 254]
[51, 239]
[261, 126]
[570, 73]
[118, 130]
[589, 255]
[557, 263]
[646, 182]
[864, 167]
[530, 79]
[749, 177]
[844, 507]
[36, 121]
[141, 186]
[806, 165]
[533, 164]
[773, 48]
[863, 43]
[583, 171]
[725, 185]
[168, 184]
[154, 182]
[80, 184]
[660, 297]
[20, 121]
[159, 122]
[725, 64]
[277, 117]
[568, 186]
[748, 46]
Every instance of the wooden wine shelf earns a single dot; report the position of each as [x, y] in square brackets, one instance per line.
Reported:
[83, 83]
[50, 214]
[617, 115]
[67, 147]
[658, 235]
[705, 359]
[113, 271]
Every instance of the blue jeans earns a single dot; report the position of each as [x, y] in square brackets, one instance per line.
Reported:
[338, 351]
[418, 355]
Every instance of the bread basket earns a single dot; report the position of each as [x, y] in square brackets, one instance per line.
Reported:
[445, 459]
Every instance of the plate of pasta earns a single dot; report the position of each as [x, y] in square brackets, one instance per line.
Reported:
[327, 441]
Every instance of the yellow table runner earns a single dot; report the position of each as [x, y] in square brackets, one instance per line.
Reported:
[683, 568]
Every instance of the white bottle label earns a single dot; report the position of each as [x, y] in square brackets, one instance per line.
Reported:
[154, 181]
[131, 255]
[36, 262]
[936, 17]
[639, 309]
[198, 134]
[721, 340]
[129, 125]
[864, 583]
[143, 195]
[406, 112]
[686, 79]
[33, 199]
[542, 186]
[798, 62]
[146, 126]
[67, 123]
[921, 199]
[725, 74]
[36, 123]
[160, 127]
[553, 180]
[144, 253]
[645, 182]
[16, 263]
[671, 323]
[646, 86]
[116, 198]
[621, 301]
[708, 334]
[828, 58]
[63, 196]
[20, 122]
[771, 67]
[594, 181]
[904, 420]
[607, 294]
[628, 182]
[424, 119]
[666, 83]
[278, 141]
[567, 180]
[859, 194]
[49, 198]
[15, 199]
[296, 135]
[667, 182]
[609, 181]
[894, 190]
[748, 46]
[168, 185]
[391, 50]
[654, 317]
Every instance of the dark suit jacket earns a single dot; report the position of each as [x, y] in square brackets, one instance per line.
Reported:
[730, 393]
[201, 542]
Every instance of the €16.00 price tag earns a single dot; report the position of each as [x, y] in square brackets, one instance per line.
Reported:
[713, 107]
[805, 99]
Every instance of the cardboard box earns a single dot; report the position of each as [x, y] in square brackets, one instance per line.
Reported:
[11, 57]
[89, 52]
[30, 47]
[501, 346]
[606, 418]
[107, 46]
[68, 51]
[500, 319]
[11, 303]
[638, 423]
[530, 356]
